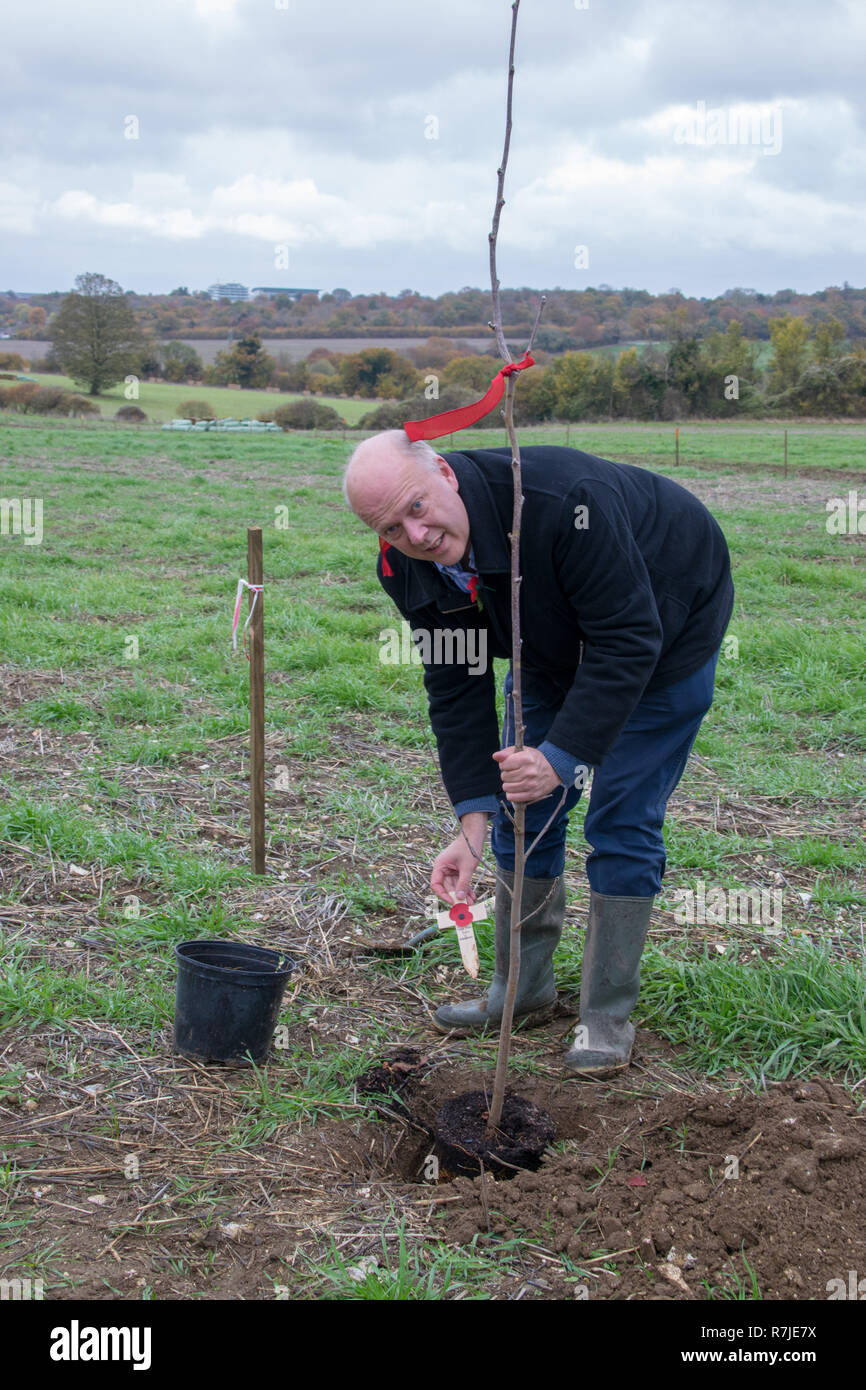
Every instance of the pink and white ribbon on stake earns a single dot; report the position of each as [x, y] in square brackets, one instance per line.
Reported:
[255, 590]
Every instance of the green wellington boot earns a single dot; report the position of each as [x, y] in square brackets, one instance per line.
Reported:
[539, 936]
[609, 984]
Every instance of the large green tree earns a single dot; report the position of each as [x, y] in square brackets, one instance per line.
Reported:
[95, 334]
[789, 336]
[638, 384]
[474, 372]
[829, 337]
[247, 364]
[729, 353]
[376, 372]
[583, 386]
[180, 361]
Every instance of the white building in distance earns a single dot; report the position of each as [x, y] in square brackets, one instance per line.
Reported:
[232, 291]
[271, 292]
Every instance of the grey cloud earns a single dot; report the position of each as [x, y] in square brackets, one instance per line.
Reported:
[330, 99]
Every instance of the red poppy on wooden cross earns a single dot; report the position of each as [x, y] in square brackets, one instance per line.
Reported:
[462, 916]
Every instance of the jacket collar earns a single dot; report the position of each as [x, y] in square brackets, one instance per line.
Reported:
[492, 549]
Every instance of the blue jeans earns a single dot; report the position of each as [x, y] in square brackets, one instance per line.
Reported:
[629, 793]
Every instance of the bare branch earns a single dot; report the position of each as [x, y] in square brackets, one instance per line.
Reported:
[539, 311]
[549, 821]
[500, 195]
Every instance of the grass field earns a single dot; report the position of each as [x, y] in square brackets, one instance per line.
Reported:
[718, 443]
[725, 449]
[123, 830]
[160, 399]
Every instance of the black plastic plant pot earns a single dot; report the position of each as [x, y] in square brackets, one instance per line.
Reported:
[463, 1143]
[228, 1000]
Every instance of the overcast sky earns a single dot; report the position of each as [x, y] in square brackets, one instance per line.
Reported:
[680, 143]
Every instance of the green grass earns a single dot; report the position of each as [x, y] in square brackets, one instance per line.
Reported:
[736, 1288]
[724, 446]
[160, 399]
[145, 537]
[805, 1011]
[421, 1274]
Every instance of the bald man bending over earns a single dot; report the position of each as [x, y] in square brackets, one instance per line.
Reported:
[625, 596]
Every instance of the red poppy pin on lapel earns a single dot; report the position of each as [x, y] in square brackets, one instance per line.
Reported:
[462, 916]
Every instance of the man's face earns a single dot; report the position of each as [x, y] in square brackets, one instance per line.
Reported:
[420, 512]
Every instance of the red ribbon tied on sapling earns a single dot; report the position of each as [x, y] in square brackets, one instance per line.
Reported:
[434, 426]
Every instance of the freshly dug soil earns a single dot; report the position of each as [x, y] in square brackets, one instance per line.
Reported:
[395, 1077]
[685, 1197]
[463, 1143]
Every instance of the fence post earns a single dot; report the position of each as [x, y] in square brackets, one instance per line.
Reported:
[255, 572]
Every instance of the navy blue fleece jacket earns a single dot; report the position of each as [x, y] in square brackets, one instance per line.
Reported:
[626, 587]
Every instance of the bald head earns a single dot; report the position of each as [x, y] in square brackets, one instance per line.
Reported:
[379, 459]
[408, 494]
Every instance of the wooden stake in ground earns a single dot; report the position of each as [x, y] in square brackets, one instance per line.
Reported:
[257, 700]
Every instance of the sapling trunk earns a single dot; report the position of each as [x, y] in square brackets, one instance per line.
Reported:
[504, 1051]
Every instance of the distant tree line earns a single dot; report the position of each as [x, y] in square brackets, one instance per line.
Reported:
[816, 371]
[596, 316]
[817, 374]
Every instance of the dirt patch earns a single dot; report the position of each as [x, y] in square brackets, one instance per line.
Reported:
[465, 1144]
[396, 1077]
[801, 491]
[676, 1196]
[19, 687]
[722, 1186]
